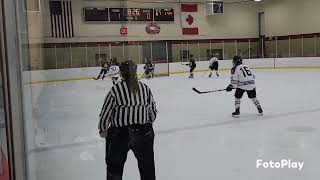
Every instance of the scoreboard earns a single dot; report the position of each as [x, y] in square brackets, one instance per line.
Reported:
[163, 15]
[131, 14]
[116, 14]
[96, 14]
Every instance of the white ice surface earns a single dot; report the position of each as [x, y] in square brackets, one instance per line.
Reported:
[196, 137]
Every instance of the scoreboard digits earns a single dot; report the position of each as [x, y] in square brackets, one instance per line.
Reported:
[116, 14]
[138, 14]
[148, 14]
[133, 14]
[164, 15]
[133, 11]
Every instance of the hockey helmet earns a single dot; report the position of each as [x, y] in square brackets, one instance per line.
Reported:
[237, 60]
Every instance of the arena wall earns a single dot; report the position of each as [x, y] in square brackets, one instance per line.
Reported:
[282, 17]
[285, 17]
[238, 21]
[57, 75]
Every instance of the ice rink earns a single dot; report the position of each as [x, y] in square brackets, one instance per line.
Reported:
[196, 137]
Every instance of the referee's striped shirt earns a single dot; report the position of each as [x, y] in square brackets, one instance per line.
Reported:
[122, 108]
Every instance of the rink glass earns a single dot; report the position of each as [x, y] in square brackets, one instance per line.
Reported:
[60, 114]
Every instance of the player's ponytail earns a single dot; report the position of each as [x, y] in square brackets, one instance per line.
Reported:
[128, 71]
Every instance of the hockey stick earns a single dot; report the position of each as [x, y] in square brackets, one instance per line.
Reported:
[141, 76]
[203, 92]
[144, 75]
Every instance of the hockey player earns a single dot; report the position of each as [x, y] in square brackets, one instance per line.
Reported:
[114, 72]
[148, 69]
[103, 71]
[213, 65]
[192, 65]
[243, 80]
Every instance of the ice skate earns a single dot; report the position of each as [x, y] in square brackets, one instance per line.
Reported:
[260, 111]
[236, 114]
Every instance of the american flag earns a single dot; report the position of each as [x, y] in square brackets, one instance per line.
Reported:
[61, 19]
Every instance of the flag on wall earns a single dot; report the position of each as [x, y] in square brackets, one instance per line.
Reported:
[189, 13]
[61, 19]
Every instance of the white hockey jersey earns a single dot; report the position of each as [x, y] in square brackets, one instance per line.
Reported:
[212, 60]
[242, 77]
[114, 71]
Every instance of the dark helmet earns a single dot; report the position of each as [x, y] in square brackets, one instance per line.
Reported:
[237, 60]
[128, 67]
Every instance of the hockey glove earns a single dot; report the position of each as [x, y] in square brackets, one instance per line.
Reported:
[229, 88]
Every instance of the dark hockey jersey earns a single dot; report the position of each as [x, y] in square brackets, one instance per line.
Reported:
[148, 66]
[192, 63]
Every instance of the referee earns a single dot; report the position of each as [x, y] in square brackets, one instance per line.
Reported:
[126, 123]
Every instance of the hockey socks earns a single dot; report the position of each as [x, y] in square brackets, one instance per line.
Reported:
[237, 103]
[257, 104]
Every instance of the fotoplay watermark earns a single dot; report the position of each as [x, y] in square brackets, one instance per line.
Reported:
[284, 163]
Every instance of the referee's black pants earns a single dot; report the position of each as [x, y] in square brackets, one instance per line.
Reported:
[138, 138]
